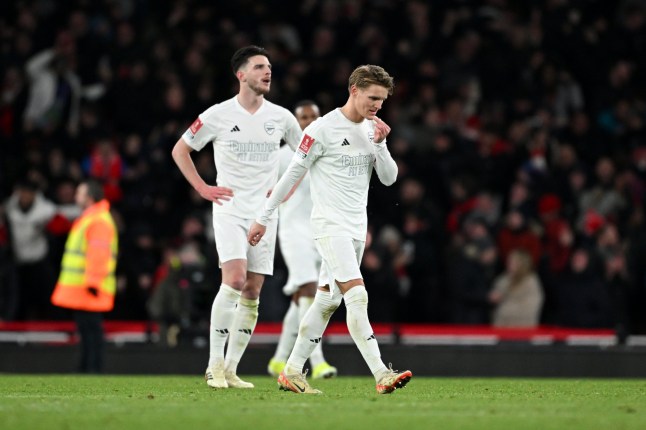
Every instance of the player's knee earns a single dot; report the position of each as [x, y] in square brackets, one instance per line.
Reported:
[328, 303]
[356, 296]
[237, 282]
[250, 292]
[251, 288]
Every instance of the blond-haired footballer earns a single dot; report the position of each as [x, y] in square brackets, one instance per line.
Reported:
[340, 150]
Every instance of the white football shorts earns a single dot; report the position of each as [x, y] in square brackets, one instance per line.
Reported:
[231, 243]
[302, 260]
[341, 259]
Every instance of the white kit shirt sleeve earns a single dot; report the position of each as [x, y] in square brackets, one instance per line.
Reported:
[303, 158]
[293, 131]
[294, 214]
[385, 166]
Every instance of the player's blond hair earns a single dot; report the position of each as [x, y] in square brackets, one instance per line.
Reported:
[368, 74]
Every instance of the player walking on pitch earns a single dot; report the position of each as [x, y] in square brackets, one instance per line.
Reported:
[301, 257]
[246, 131]
[340, 149]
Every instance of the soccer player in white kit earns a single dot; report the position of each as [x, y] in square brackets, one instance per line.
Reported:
[303, 261]
[340, 150]
[245, 131]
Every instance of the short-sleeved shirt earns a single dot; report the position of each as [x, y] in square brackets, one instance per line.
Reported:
[341, 156]
[245, 148]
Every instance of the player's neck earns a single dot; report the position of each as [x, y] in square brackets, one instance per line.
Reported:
[350, 112]
[250, 100]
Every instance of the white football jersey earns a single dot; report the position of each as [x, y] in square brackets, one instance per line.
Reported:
[295, 213]
[245, 148]
[340, 155]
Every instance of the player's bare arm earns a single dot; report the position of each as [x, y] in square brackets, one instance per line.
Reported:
[182, 156]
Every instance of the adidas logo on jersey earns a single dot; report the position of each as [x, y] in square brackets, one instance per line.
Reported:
[235, 129]
[345, 142]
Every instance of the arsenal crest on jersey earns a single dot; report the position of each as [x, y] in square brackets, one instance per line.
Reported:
[270, 127]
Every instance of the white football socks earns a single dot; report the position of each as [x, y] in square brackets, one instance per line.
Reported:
[242, 327]
[304, 304]
[356, 304]
[288, 333]
[222, 312]
[311, 329]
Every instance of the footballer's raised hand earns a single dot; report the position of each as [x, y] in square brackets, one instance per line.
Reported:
[215, 194]
[381, 130]
[256, 232]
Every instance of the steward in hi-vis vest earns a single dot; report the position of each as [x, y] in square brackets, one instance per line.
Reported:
[87, 280]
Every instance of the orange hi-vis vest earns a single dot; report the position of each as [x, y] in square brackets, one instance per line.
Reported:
[90, 260]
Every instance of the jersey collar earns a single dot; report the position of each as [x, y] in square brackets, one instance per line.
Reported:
[242, 109]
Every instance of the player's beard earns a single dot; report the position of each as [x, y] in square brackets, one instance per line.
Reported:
[260, 90]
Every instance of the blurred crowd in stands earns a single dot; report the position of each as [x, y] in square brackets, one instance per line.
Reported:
[518, 127]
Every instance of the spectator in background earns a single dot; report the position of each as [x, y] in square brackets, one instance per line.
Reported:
[558, 242]
[28, 214]
[87, 282]
[382, 267]
[13, 99]
[8, 281]
[603, 198]
[520, 199]
[570, 193]
[106, 166]
[67, 211]
[60, 168]
[583, 297]
[516, 234]
[471, 272]
[463, 201]
[138, 265]
[386, 262]
[182, 300]
[422, 267]
[611, 253]
[55, 90]
[517, 293]
[558, 237]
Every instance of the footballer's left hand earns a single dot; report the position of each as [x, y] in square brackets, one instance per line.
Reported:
[256, 232]
[381, 130]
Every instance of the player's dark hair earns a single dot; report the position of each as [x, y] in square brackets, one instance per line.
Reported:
[242, 55]
[95, 190]
[306, 102]
[369, 74]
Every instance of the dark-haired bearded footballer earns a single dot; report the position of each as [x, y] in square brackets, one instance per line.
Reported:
[245, 131]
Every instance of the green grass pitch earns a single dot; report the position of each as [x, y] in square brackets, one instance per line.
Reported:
[186, 403]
